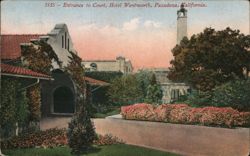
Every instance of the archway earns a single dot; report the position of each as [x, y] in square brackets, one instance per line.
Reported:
[63, 100]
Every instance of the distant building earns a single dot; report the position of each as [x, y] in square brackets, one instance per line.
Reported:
[171, 91]
[119, 64]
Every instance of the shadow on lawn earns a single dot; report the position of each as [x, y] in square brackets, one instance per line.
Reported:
[90, 150]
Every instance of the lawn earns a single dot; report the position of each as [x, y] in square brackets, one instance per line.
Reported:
[113, 111]
[111, 150]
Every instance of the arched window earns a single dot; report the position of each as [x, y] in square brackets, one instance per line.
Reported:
[93, 66]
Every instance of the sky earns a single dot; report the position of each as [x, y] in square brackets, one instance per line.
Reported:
[145, 35]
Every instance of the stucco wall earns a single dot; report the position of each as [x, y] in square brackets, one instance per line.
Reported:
[120, 64]
[58, 35]
[104, 66]
[187, 140]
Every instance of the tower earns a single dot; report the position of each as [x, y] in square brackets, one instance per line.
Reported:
[181, 23]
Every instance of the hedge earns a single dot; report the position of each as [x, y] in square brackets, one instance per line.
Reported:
[184, 114]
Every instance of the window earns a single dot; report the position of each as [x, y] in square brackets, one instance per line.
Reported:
[65, 40]
[68, 44]
[93, 66]
[62, 41]
[175, 93]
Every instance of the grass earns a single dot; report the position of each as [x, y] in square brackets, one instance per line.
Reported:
[111, 150]
[107, 113]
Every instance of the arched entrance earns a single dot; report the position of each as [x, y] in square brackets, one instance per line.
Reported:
[63, 100]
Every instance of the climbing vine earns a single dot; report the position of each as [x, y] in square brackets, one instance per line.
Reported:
[81, 133]
[13, 105]
[34, 96]
[39, 58]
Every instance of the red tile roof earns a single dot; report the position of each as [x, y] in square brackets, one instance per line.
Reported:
[7, 69]
[10, 44]
[95, 82]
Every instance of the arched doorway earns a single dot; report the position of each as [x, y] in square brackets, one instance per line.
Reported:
[63, 100]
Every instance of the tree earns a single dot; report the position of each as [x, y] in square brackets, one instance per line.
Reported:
[233, 94]
[125, 90]
[211, 58]
[154, 92]
[143, 77]
[81, 132]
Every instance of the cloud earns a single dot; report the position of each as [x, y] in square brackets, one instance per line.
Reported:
[109, 29]
[132, 24]
[152, 24]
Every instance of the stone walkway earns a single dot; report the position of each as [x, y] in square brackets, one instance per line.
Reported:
[54, 122]
[62, 122]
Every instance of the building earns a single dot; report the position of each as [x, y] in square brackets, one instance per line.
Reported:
[181, 23]
[58, 96]
[120, 64]
[171, 91]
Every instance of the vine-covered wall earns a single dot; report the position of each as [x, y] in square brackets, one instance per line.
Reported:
[76, 72]
[34, 96]
[38, 58]
[13, 105]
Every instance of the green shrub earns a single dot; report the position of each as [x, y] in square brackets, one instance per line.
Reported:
[81, 133]
[199, 98]
[22, 107]
[13, 108]
[234, 94]
[125, 90]
[154, 92]
[8, 109]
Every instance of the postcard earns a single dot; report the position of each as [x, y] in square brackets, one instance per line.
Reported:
[125, 77]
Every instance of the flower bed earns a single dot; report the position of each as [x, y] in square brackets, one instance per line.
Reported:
[107, 139]
[182, 113]
[48, 138]
[51, 138]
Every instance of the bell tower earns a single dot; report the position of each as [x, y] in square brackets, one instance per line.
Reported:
[181, 23]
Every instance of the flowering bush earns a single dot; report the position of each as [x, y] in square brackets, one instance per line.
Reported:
[48, 138]
[51, 138]
[107, 139]
[182, 113]
[141, 111]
